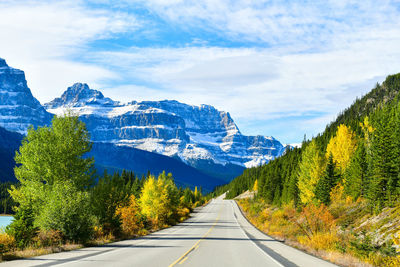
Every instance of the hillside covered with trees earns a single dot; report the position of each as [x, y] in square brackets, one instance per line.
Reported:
[348, 172]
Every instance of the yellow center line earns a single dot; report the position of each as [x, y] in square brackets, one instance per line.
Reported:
[182, 261]
[182, 258]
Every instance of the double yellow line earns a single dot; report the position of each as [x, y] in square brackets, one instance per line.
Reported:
[183, 258]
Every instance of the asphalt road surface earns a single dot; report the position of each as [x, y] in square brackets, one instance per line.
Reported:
[216, 235]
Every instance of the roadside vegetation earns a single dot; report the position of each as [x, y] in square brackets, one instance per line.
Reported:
[338, 195]
[60, 203]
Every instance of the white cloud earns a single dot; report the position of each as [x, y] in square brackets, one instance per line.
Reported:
[302, 23]
[47, 39]
[302, 58]
[259, 83]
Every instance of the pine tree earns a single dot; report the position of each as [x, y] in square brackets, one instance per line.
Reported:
[327, 182]
[355, 176]
[385, 154]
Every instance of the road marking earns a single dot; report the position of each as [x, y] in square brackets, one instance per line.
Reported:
[182, 258]
[244, 232]
[182, 261]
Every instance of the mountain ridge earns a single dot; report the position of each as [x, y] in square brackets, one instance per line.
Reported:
[168, 127]
[201, 137]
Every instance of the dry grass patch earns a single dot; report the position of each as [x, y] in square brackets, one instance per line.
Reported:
[316, 231]
[33, 252]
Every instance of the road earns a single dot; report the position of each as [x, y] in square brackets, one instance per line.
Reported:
[216, 235]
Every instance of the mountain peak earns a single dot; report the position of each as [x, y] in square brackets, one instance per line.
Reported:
[79, 94]
[3, 63]
[80, 91]
[18, 108]
[7, 70]
[78, 87]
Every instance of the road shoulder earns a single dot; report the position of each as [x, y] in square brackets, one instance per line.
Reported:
[292, 256]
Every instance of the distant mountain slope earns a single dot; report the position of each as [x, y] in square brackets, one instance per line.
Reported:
[141, 162]
[114, 158]
[198, 135]
[9, 143]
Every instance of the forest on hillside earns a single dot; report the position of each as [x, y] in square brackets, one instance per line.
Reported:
[358, 153]
[340, 191]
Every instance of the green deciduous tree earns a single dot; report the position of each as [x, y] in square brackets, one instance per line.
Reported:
[51, 169]
[67, 210]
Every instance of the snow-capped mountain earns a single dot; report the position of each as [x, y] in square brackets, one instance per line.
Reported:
[18, 108]
[192, 133]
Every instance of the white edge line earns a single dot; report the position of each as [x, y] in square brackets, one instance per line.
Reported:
[240, 226]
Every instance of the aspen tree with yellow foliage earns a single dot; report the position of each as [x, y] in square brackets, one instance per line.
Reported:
[159, 200]
[152, 199]
[311, 169]
[342, 147]
[255, 186]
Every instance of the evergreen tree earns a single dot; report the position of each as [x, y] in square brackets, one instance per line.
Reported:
[327, 182]
[385, 156]
[110, 193]
[355, 176]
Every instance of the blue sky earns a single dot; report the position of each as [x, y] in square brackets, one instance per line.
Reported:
[281, 68]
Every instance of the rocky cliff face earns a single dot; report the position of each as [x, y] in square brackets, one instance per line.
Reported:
[191, 133]
[18, 108]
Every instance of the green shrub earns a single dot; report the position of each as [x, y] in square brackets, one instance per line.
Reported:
[67, 210]
[22, 228]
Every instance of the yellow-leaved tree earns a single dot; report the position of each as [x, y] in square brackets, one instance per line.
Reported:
[151, 200]
[159, 200]
[311, 169]
[255, 186]
[131, 222]
[342, 147]
[367, 129]
[196, 193]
